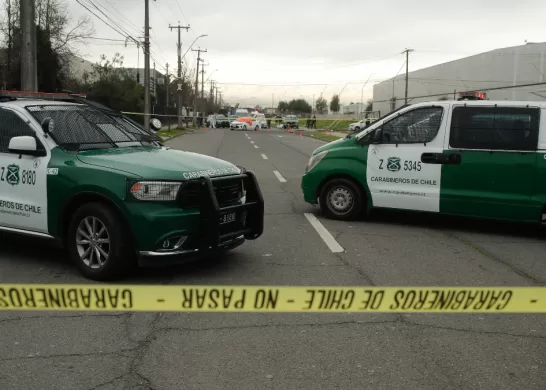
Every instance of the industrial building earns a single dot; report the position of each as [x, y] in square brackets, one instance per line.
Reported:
[511, 73]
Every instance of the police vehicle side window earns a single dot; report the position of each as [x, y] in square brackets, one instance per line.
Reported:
[494, 128]
[12, 125]
[416, 126]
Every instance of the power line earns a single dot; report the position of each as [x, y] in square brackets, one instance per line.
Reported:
[106, 39]
[102, 20]
[109, 18]
[136, 28]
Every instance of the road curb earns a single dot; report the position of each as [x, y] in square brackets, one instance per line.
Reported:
[178, 135]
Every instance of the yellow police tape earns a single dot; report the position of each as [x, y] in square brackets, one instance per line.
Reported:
[302, 119]
[272, 299]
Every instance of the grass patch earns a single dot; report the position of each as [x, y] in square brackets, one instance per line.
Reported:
[170, 133]
[322, 136]
[330, 124]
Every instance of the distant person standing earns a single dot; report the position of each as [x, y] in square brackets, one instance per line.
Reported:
[314, 122]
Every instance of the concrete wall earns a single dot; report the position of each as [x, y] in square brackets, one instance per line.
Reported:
[501, 68]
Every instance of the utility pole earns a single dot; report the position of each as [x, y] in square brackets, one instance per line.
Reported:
[407, 51]
[154, 77]
[29, 68]
[196, 84]
[211, 94]
[216, 97]
[203, 92]
[180, 81]
[166, 86]
[147, 99]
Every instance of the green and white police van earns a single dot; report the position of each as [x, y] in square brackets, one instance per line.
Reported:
[484, 159]
[110, 192]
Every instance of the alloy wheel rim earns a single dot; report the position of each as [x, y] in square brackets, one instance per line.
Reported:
[93, 242]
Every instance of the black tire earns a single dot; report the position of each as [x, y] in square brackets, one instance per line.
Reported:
[338, 191]
[357, 128]
[121, 255]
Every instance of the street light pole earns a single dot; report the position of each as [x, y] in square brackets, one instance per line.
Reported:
[362, 97]
[407, 51]
[147, 99]
[179, 90]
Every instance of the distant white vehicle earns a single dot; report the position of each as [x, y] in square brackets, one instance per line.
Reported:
[260, 119]
[357, 126]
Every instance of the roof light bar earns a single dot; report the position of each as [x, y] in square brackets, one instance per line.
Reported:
[41, 95]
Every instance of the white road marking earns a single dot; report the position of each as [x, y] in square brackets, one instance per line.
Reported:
[264, 156]
[324, 234]
[256, 146]
[279, 176]
[251, 142]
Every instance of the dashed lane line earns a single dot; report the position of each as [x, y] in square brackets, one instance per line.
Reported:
[264, 156]
[279, 176]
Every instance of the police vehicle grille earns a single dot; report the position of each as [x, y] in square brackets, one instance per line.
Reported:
[228, 192]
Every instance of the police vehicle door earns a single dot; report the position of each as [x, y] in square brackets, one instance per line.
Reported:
[396, 175]
[23, 181]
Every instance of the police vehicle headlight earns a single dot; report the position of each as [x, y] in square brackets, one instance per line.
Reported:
[314, 160]
[155, 190]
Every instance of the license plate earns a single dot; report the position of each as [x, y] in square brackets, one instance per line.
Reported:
[227, 218]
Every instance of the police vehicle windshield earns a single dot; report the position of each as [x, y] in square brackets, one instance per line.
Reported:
[80, 127]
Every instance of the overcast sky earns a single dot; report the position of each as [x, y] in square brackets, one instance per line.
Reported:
[297, 48]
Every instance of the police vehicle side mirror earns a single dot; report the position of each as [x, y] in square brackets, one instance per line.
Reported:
[25, 144]
[377, 136]
[155, 124]
[47, 125]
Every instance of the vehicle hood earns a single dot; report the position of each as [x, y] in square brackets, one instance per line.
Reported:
[159, 163]
[340, 143]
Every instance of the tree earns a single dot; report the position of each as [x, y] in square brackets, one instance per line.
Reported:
[299, 106]
[113, 86]
[283, 106]
[321, 105]
[56, 38]
[334, 104]
[369, 105]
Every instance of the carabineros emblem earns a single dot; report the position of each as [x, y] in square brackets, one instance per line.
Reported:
[12, 176]
[393, 164]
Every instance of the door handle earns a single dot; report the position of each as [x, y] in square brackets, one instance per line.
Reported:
[441, 158]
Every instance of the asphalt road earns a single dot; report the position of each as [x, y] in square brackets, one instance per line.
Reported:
[292, 351]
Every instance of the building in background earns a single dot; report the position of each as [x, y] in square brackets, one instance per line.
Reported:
[77, 67]
[352, 109]
[511, 73]
[155, 76]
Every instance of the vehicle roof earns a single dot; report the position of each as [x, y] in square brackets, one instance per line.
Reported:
[503, 103]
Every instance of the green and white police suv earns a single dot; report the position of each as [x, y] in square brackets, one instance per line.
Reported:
[482, 159]
[111, 193]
